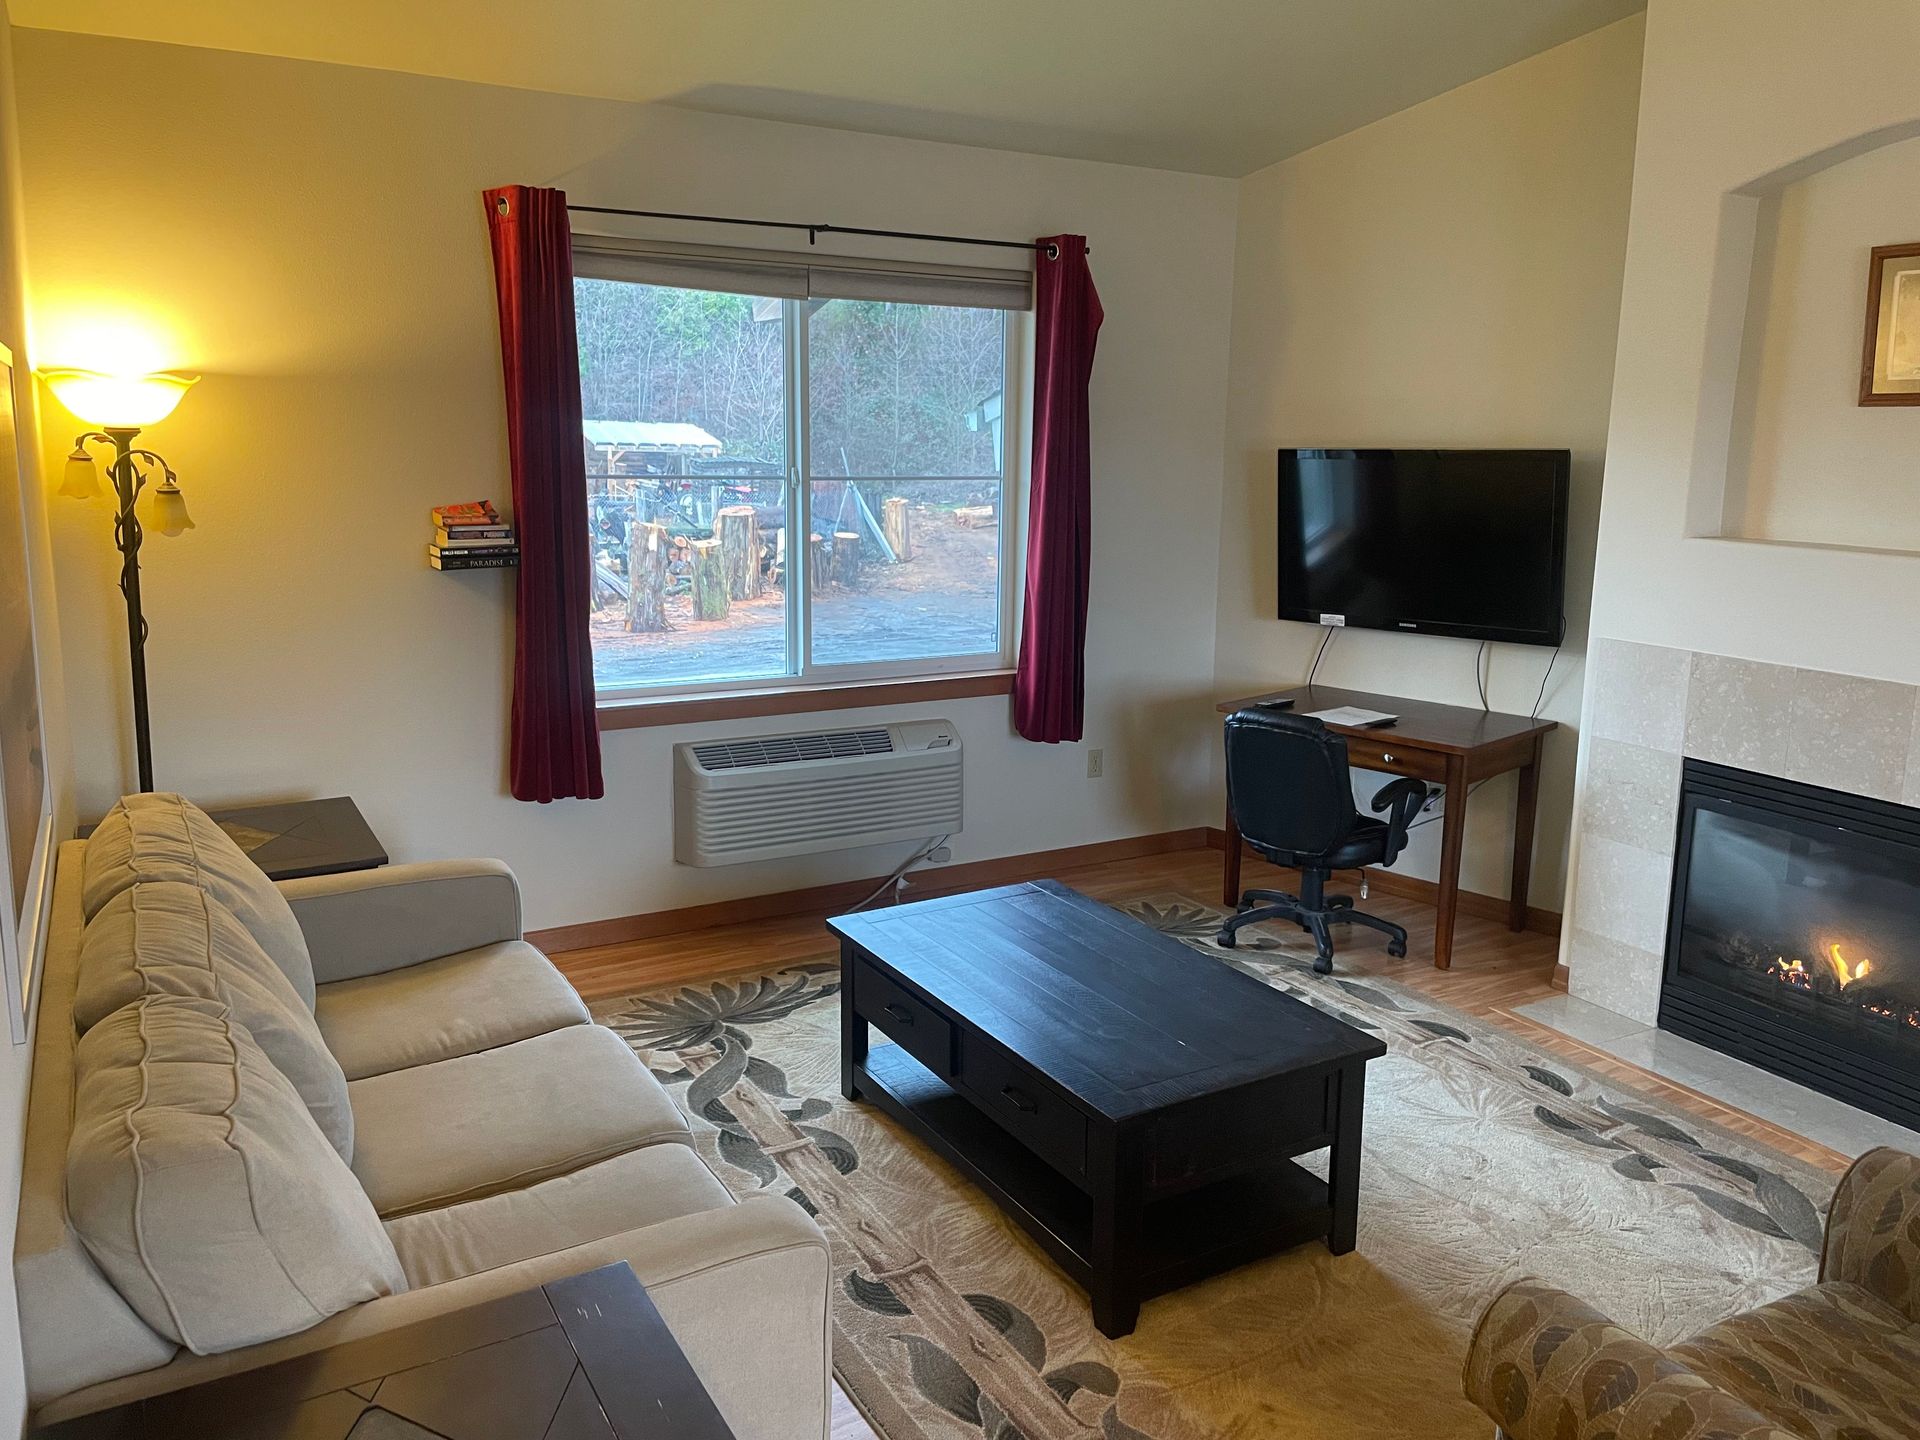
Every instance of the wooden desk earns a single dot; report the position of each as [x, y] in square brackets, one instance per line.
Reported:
[1454, 746]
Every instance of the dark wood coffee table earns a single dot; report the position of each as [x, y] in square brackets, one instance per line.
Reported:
[586, 1358]
[1134, 1104]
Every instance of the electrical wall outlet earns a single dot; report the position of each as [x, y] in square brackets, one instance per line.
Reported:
[1096, 764]
[940, 854]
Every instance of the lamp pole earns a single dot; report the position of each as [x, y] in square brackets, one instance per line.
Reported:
[126, 538]
[120, 405]
[129, 479]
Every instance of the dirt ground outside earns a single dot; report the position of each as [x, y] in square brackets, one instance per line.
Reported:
[943, 601]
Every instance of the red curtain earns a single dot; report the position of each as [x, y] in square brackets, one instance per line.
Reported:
[555, 748]
[1050, 682]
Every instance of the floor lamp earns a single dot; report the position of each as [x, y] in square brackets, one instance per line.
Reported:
[121, 406]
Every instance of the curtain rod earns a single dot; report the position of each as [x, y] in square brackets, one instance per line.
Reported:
[815, 231]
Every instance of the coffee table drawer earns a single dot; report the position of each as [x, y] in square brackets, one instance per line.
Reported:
[1027, 1107]
[904, 1018]
[1198, 1143]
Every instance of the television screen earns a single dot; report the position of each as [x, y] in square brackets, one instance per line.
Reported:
[1437, 542]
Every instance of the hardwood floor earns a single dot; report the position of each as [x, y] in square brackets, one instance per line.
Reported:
[1494, 971]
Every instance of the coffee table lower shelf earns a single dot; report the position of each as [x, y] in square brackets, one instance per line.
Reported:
[1182, 1237]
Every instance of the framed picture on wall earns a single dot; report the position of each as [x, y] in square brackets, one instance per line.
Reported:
[1890, 363]
[26, 809]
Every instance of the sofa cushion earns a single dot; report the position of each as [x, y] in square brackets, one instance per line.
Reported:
[442, 1009]
[160, 937]
[628, 1192]
[504, 1119]
[201, 1185]
[164, 837]
[1832, 1362]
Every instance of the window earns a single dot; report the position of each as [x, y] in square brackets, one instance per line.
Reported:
[794, 473]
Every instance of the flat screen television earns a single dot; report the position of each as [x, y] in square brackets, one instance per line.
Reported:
[1470, 543]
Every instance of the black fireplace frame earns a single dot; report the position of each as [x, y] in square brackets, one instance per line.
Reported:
[1752, 1030]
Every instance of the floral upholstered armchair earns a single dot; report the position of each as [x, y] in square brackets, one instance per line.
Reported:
[1839, 1360]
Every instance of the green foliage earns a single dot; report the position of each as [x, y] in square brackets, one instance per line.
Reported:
[892, 385]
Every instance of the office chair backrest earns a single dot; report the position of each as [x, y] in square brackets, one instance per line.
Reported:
[1287, 781]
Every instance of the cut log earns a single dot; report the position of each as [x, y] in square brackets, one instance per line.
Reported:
[897, 521]
[975, 517]
[709, 581]
[647, 550]
[846, 559]
[738, 529]
[820, 561]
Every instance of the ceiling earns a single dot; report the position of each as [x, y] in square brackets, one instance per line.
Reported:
[1219, 87]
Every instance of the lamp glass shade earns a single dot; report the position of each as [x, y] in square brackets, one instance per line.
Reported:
[79, 480]
[118, 402]
[170, 509]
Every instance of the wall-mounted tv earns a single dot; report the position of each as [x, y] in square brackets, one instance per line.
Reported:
[1435, 542]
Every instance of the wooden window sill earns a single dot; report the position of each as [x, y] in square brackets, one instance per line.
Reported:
[799, 699]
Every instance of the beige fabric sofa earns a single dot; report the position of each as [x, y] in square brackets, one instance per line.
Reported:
[496, 1138]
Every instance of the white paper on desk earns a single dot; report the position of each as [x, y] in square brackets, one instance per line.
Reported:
[1353, 717]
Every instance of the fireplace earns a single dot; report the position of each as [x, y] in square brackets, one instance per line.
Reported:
[1793, 939]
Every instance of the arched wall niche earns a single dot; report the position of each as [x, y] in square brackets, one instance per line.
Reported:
[1783, 452]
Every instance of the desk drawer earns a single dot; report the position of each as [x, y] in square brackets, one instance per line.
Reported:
[1381, 752]
[904, 1017]
[1027, 1107]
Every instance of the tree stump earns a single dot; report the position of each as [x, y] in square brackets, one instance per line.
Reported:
[709, 581]
[647, 549]
[896, 523]
[846, 559]
[975, 517]
[738, 530]
[819, 561]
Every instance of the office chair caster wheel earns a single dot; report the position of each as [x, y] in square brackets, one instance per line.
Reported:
[1227, 940]
[1323, 964]
[1397, 949]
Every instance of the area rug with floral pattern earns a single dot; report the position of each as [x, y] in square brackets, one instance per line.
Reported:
[1484, 1160]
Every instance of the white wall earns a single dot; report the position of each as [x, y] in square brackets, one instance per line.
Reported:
[1449, 276]
[1811, 464]
[1735, 91]
[1740, 98]
[310, 238]
[14, 1058]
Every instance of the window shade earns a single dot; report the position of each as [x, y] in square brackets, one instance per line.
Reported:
[796, 277]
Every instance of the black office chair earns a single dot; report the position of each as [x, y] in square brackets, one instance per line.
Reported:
[1288, 786]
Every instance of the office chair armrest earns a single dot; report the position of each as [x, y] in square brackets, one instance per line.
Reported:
[1406, 796]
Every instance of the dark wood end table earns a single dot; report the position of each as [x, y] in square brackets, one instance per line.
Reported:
[586, 1358]
[1136, 1106]
[299, 838]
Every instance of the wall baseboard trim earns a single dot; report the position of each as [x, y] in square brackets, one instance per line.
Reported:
[1472, 902]
[1559, 981]
[826, 899]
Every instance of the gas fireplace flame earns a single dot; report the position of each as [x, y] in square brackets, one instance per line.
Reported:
[1843, 972]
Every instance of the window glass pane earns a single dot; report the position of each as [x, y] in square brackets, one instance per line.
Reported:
[905, 389]
[905, 570]
[684, 398]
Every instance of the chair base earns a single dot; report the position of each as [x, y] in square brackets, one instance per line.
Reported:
[1314, 911]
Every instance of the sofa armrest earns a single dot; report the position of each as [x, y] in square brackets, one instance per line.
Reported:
[1873, 1229]
[1545, 1365]
[366, 922]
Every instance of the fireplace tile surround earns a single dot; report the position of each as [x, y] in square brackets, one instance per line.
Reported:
[1651, 705]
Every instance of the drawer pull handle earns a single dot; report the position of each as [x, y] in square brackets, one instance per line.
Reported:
[1387, 755]
[1020, 1100]
[901, 1013]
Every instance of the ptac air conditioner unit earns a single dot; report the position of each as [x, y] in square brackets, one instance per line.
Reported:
[763, 796]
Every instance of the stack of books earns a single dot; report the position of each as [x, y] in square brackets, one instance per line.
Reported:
[471, 536]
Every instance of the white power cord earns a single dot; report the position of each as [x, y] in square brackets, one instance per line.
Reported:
[898, 879]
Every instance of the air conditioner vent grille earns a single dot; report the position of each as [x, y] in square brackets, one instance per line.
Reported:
[790, 749]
